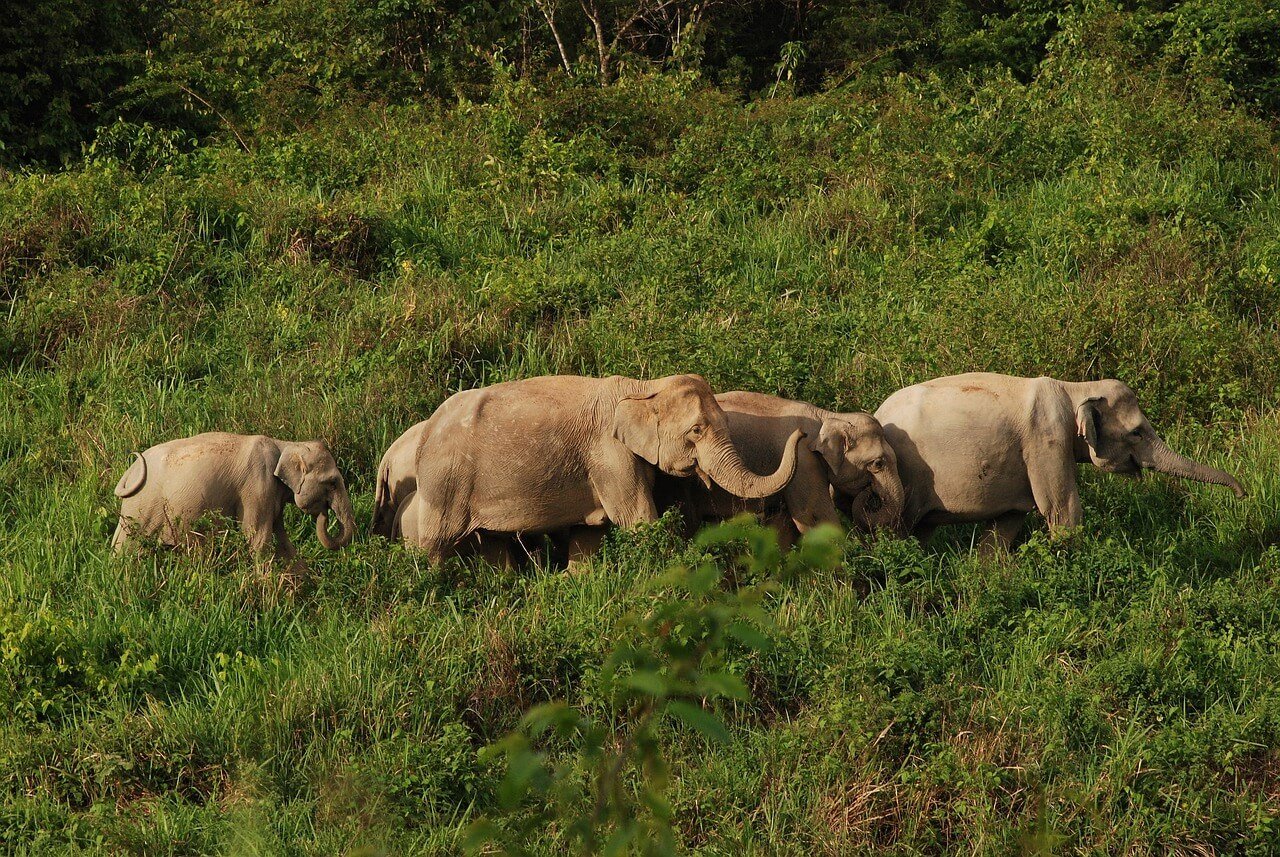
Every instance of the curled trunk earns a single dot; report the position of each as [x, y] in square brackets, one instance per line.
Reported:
[341, 505]
[1167, 461]
[719, 458]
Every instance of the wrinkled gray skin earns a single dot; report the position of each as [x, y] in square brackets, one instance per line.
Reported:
[247, 478]
[395, 508]
[498, 549]
[986, 447]
[551, 453]
[844, 462]
[397, 480]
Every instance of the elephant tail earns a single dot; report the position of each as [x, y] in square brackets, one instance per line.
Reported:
[133, 478]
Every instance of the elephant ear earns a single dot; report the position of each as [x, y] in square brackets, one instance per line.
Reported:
[635, 423]
[832, 442]
[1087, 421]
[291, 468]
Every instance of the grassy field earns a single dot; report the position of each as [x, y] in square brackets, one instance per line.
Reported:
[1116, 694]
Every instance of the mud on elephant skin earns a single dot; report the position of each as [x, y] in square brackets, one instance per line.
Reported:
[247, 478]
[546, 454]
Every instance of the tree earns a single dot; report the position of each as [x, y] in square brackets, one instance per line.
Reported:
[652, 28]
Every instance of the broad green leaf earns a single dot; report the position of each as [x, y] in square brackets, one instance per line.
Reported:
[523, 766]
[479, 836]
[723, 684]
[702, 579]
[621, 838]
[548, 715]
[647, 682]
[698, 718]
[749, 636]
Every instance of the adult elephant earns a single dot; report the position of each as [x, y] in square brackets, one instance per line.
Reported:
[397, 480]
[248, 478]
[845, 462]
[555, 452]
[986, 447]
[395, 502]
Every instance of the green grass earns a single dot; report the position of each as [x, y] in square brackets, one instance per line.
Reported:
[1117, 694]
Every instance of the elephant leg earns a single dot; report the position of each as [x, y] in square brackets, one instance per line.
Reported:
[808, 496]
[295, 566]
[437, 535]
[267, 536]
[174, 532]
[442, 503]
[120, 539]
[788, 530]
[433, 544]
[924, 532]
[404, 523]
[1002, 533]
[495, 549]
[1056, 495]
[626, 492]
[524, 547]
[584, 543]
[285, 550]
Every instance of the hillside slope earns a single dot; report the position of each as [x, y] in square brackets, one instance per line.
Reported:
[1115, 694]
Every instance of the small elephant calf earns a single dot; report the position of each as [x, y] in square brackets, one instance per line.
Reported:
[845, 463]
[246, 477]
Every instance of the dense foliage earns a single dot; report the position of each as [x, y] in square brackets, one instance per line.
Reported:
[1089, 210]
[239, 66]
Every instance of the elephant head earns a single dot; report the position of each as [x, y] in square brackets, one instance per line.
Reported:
[677, 425]
[1119, 439]
[863, 467]
[309, 471]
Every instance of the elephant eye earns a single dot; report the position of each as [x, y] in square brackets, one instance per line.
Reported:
[1136, 433]
[878, 464]
[696, 430]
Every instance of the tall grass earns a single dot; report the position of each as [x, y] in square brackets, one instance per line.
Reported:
[1115, 694]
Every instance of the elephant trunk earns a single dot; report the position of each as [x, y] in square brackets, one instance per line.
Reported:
[1167, 461]
[888, 488]
[341, 505]
[719, 459]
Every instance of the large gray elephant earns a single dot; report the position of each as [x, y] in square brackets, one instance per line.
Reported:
[247, 478]
[551, 453]
[395, 502]
[986, 447]
[844, 462]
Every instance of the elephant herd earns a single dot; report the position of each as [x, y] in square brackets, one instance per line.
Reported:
[567, 456]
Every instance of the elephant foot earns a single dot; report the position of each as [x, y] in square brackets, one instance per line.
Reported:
[584, 543]
[296, 575]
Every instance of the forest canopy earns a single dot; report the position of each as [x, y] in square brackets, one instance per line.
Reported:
[241, 67]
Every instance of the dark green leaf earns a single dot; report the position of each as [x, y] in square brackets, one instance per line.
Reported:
[698, 718]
